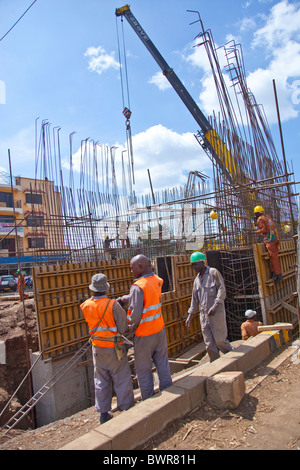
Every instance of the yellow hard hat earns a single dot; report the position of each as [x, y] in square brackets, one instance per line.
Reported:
[213, 215]
[258, 209]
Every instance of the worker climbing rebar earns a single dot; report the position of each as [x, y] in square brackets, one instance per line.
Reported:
[267, 228]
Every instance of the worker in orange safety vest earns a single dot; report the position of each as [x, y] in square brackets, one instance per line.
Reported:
[107, 322]
[267, 228]
[147, 326]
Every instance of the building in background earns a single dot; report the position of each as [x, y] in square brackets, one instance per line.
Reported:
[36, 205]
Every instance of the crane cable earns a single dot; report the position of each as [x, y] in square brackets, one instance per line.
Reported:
[12, 27]
[126, 109]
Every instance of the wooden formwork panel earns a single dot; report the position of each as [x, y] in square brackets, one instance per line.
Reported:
[276, 296]
[59, 290]
[183, 280]
[183, 275]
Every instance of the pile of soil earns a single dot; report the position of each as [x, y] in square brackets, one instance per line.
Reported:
[18, 332]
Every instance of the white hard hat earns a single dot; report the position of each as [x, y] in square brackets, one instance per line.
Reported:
[250, 313]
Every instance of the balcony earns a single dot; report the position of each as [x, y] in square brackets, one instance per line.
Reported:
[10, 210]
[6, 227]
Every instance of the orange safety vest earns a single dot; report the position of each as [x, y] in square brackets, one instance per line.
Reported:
[152, 320]
[103, 334]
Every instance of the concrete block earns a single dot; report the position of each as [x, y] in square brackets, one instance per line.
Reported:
[134, 426]
[225, 390]
[251, 353]
[195, 387]
[222, 364]
[93, 440]
[147, 418]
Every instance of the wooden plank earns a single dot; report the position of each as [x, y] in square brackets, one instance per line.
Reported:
[290, 308]
[277, 326]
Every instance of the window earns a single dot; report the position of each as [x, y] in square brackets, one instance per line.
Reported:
[8, 219]
[4, 244]
[36, 243]
[7, 199]
[34, 198]
[35, 221]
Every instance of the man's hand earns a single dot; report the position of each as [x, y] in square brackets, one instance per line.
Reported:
[188, 321]
[120, 301]
[212, 311]
[83, 299]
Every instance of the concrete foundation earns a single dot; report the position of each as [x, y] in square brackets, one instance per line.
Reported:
[147, 418]
[75, 392]
[72, 393]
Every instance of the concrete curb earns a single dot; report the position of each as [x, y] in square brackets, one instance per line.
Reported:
[147, 418]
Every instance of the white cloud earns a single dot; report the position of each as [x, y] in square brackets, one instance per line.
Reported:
[198, 58]
[282, 25]
[100, 60]
[169, 156]
[248, 24]
[277, 42]
[160, 81]
[280, 39]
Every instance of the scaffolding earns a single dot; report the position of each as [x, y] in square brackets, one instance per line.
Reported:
[93, 213]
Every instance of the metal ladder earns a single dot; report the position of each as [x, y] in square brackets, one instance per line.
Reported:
[13, 421]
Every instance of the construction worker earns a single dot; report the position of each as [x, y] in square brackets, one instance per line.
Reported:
[107, 249]
[107, 321]
[250, 327]
[209, 295]
[21, 285]
[267, 228]
[147, 326]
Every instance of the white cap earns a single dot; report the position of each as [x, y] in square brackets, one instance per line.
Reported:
[250, 313]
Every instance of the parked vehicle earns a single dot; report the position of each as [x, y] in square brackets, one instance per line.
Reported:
[28, 282]
[8, 283]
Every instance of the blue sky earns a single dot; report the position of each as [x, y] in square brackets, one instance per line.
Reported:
[60, 63]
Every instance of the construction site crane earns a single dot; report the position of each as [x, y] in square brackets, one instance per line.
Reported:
[211, 139]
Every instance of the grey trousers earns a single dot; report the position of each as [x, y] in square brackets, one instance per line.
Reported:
[109, 374]
[214, 330]
[147, 349]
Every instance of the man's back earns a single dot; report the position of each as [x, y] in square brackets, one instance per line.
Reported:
[249, 328]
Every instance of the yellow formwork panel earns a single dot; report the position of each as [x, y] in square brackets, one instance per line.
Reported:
[59, 290]
[273, 294]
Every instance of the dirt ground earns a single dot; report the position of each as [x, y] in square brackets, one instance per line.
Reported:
[267, 418]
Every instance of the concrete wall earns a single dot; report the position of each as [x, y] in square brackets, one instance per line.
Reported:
[72, 393]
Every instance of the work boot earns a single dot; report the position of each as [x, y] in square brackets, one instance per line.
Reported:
[105, 417]
[273, 275]
[278, 278]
